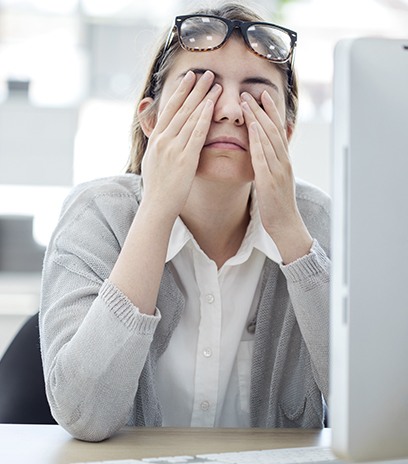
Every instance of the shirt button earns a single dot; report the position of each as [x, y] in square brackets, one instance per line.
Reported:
[210, 298]
[251, 327]
[205, 405]
[207, 352]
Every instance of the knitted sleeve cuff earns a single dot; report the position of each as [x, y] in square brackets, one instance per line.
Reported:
[120, 305]
[312, 264]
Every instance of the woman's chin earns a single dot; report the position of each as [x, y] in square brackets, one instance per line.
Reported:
[226, 168]
[226, 177]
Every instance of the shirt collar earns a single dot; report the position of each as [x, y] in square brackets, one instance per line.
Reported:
[255, 237]
[179, 237]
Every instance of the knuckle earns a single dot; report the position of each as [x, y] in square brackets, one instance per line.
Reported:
[173, 104]
[186, 109]
[198, 133]
[161, 144]
[274, 130]
[285, 172]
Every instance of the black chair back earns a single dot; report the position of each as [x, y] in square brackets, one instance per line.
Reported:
[22, 390]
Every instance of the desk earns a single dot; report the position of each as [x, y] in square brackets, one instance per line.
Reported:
[50, 444]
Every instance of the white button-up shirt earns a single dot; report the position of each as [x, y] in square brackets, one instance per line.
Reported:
[203, 377]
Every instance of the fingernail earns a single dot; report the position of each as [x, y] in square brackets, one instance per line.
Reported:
[245, 106]
[254, 127]
[209, 103]
[189, 75]
[266, 95]
[245, 96]
[216, 87]
[208, 75]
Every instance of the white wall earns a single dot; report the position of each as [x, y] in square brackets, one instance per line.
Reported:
[310, 153]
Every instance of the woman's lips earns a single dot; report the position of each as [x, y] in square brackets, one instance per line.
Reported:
[225, 143]
[224, 146]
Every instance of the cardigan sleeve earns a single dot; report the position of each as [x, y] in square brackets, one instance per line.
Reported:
[308, 281]
[94, 341]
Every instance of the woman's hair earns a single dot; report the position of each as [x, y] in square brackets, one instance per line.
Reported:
[161, 65]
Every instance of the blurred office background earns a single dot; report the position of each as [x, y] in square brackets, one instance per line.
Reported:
[70, 71]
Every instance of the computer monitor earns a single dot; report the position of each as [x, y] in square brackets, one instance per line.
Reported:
[369, 289]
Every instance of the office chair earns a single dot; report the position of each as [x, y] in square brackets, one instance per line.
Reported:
[22, 389]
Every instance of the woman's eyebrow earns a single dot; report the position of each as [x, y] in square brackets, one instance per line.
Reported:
[198, 71]
[248, 80]
[261, 80]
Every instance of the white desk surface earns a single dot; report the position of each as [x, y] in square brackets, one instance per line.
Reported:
[50, 444]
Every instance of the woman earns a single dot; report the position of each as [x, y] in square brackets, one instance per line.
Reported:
[193, 291]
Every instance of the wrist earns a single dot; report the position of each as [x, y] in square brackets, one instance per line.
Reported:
[156, 213]
[293, 242]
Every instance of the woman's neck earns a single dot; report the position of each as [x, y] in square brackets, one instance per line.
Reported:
[217, 216]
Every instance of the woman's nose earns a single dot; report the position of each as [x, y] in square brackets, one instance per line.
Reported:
[228, 108]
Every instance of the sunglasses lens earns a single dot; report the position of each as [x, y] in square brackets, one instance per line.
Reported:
[202, 33]
[270, 42]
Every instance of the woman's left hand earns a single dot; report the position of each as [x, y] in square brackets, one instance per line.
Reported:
[274, 178]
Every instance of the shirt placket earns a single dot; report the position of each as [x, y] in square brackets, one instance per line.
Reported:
[208, 343]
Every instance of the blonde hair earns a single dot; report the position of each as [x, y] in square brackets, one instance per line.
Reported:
[161, 65]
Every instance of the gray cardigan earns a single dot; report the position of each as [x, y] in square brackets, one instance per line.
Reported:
[100, 354]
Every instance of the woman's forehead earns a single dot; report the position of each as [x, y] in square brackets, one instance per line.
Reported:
[233, 60]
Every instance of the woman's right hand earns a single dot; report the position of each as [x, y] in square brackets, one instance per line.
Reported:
[168, 168]
[173, 150]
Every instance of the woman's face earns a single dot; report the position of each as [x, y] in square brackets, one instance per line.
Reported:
[237, 70]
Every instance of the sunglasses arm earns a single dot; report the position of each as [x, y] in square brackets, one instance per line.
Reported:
[291, 69]
[170, 36]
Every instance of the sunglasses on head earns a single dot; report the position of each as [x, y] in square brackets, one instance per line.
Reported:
[203, 33]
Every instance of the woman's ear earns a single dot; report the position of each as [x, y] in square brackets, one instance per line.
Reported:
[147, 120]
[289, 131]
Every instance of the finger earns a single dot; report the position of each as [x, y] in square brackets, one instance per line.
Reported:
[190, 125]
[192, 103]
[268, 117]
[176, 101]
[272, 111]
[270, 126]
[259, 163]
[194, 98]
[267, 147]
[268, 150]
[198, 134]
